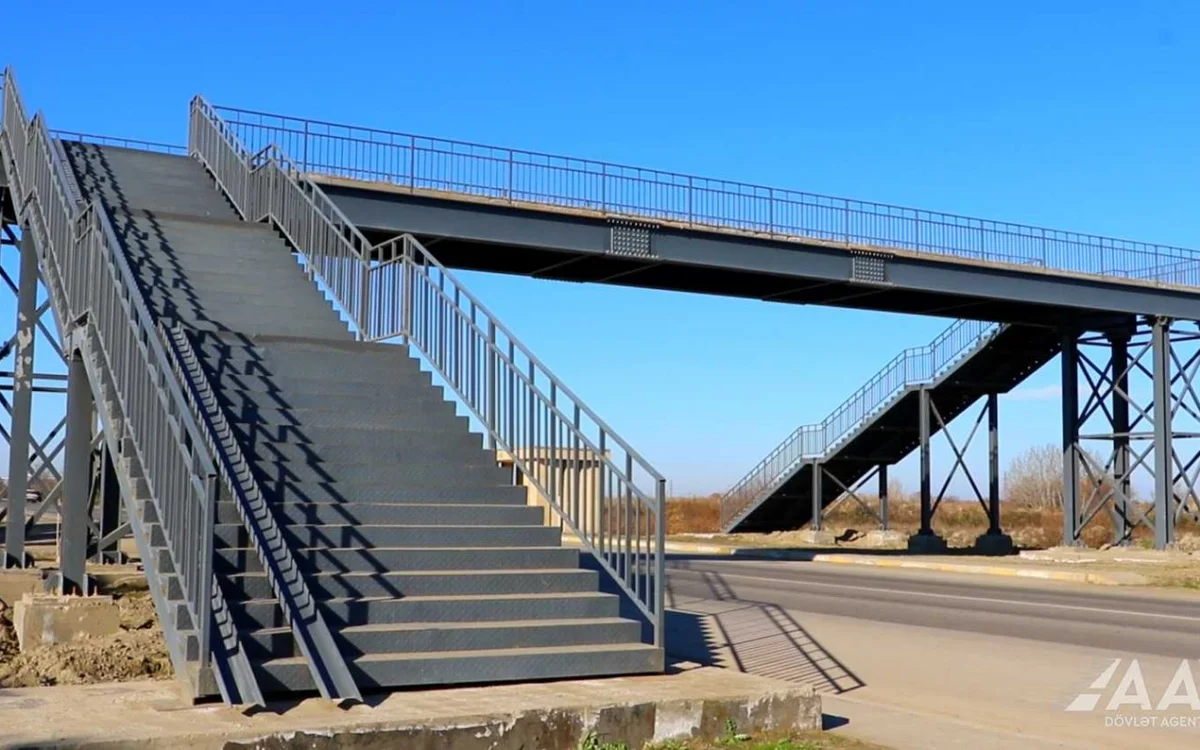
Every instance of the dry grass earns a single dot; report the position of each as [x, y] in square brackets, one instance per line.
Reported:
[693, 515]
[959, 522]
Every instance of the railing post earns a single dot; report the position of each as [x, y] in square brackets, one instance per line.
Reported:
[204, 593]
[412, 163]
[490, 384]
[364, 300]
[660, 565]
[408, 288]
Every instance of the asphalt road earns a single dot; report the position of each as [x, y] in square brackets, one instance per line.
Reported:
[1158, 623]
[932, 660]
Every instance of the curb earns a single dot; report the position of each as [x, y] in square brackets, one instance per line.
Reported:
[1070, 576]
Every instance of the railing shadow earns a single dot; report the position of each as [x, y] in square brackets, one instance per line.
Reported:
[752, 637]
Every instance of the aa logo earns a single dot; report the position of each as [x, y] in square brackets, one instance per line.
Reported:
[1131, 690]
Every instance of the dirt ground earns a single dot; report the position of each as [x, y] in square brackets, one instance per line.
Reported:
[136, 652]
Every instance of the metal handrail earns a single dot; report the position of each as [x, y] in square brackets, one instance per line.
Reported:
[549, 433]
[108, 140]
[326, 664]
[552, 437]
[515, 176]
[912, 367]
[92, 286]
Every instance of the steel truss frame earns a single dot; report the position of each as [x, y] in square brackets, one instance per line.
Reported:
[820, 474]
[1140, 403]
[989, 413]
[929, 415]
[80, 487]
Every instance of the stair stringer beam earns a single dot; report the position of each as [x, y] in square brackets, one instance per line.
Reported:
[231, 668]
[321, 653]
[234, 676]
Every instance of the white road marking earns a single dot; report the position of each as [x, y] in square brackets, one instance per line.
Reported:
[957, 597]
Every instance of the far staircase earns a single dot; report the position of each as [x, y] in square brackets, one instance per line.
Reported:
[878, 425]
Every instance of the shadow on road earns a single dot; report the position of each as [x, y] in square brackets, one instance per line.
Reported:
[752, 637]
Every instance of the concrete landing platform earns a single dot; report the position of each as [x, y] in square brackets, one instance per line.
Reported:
[692, 703]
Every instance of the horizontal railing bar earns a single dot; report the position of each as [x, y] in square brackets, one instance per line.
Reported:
[109, 140]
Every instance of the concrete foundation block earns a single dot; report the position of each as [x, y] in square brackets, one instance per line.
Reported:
[994, 544]
[16, 583]
[40, 619]
[926, 544]
[821, 538]
[882, 538]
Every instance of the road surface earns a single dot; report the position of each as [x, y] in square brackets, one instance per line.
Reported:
[937, 660]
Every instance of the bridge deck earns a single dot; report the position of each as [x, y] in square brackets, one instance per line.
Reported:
[576, 243]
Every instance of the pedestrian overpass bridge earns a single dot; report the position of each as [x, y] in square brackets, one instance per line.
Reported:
[311, 512]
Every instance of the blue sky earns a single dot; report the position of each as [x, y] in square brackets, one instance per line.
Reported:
[1082, 117]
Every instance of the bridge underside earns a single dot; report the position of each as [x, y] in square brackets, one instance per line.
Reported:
[575, 246]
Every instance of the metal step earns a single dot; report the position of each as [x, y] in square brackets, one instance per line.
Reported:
[418, 514]
[235, 535]
[461, 447]
[329, 328]
[396, 399]
[403, 470]
[475, 667]
[365, 452]
[253, 614]
[423, 583]
[415, 413]
[423, 637]
[296, 385]
[381, 560]
[432, 484]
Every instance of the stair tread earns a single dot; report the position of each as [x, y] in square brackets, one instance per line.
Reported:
[427, 526]
[455, 597]
[507, 652]
[463, 625]
[488, 550]
[430, 573]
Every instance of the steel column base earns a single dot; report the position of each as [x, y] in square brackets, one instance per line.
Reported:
[994, 544]
[926, 543]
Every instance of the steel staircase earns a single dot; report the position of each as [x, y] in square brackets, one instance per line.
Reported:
[878, 424]
[312, 513]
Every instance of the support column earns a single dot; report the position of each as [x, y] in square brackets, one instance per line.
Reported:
[1070, 438]
[925, 541]
[1164, 500]
[926, 468]
[1119, 343]
[994, 541]
[817, 510]
[110, 508]
[22, 407]
[72, 553]
[884, 520]
[993, 408]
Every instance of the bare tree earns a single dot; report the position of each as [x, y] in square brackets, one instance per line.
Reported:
[1035, 478]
